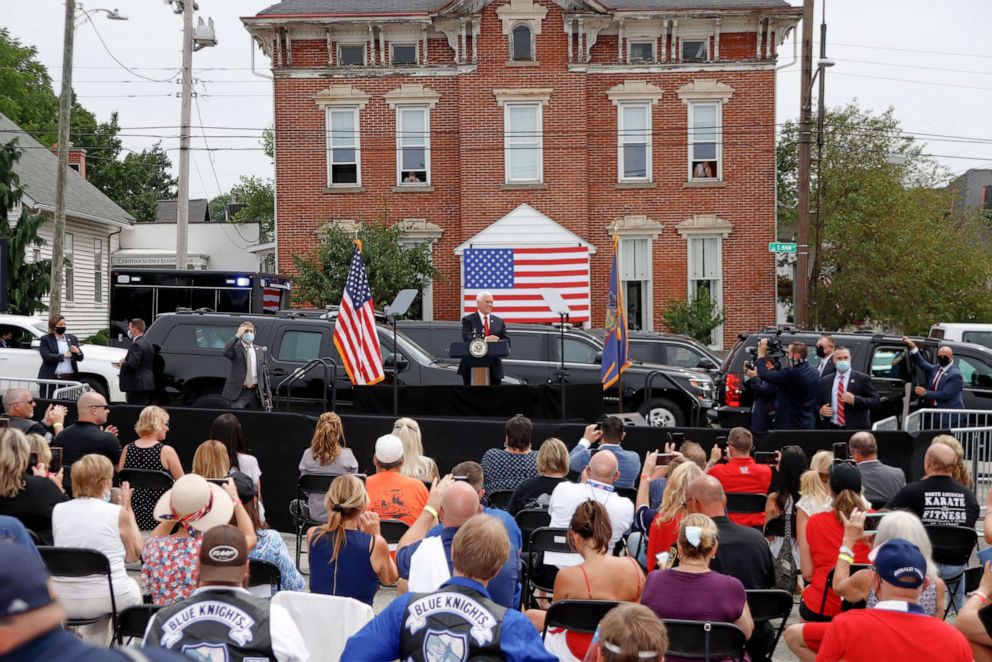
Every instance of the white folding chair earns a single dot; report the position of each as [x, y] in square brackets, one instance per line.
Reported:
[324, 637]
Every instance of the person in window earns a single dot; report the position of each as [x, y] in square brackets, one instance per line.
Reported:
[703, 170]
[412, 178]
[7, 338]
[60, 354]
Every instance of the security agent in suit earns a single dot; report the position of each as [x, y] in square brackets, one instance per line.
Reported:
[137, 374]
[825, 348]
[847, 397]
[60, 354]
[945, 385]
[242, 386]
[486, 325]
[763, 405]
[795, 405]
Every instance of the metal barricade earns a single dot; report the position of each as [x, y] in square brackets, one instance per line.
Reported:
[886, 424]
[60, 388]
[977, 443]
[945, 419]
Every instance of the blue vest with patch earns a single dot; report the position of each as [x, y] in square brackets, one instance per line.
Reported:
[453, 624]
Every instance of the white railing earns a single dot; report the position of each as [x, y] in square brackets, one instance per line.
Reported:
[946, 419]
[886, 424]
[977, 444]
[60, 388]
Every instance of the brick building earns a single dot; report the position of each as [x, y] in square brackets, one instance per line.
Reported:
[535, 124]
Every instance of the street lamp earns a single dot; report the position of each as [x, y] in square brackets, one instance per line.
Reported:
[65, 105]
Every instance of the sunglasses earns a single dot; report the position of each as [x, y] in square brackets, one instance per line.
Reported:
[107, 407]
[26, 402]
[848, 461]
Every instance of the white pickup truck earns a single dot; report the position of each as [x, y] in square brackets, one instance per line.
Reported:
[21, 359]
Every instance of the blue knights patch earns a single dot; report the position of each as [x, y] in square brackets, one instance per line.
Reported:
[444, 646]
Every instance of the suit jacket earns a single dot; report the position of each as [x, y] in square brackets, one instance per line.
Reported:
[795, 404]
[136, 371]
[471, 328]
[51, 356]
[949, 389]
[857, 416]
[828, 367]
[763, 407]
[235, 351]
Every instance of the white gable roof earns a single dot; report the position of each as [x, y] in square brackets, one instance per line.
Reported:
[524, 227]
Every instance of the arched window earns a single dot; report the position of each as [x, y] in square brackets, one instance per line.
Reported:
[523, 47]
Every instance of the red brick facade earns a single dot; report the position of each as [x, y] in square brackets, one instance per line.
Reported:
[580, 189]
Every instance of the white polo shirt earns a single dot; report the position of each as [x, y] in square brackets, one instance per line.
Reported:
[568, 496]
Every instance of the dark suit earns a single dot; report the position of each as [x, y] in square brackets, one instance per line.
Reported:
[234, 389]
[857, 416]
[472, 328]
[763, 406]
[51, 357]
[827, 363]
[795, 405]
[137, 376]
[947, 395]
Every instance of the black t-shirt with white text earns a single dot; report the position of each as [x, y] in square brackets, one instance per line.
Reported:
[938, 500]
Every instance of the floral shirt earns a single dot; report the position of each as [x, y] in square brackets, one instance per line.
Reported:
[171, 567]
[271, 547]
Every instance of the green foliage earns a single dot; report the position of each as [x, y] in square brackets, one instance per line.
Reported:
[890, 252]
[101, 337]
[30, 281]
[696, 317]
[137, 181]
[391, 267]
[217, 207]
[257, 199]
[269, 142]
[26, 95]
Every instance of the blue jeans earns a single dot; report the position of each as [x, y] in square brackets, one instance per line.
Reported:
[950, 571]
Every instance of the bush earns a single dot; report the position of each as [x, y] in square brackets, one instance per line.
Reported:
[696, 317]
[101, 337]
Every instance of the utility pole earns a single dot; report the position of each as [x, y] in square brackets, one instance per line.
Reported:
[65, 105]
[821, 111]
[182, 205]
[801, 284]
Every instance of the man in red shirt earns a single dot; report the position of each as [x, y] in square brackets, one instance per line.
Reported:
[741, 473]
[896, 628]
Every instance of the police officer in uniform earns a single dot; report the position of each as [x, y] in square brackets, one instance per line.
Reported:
[221, 615]
[459, 621]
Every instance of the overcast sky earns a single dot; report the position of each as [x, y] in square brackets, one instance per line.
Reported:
[931, 61]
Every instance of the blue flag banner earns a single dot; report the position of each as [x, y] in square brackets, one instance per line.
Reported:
[615, 355]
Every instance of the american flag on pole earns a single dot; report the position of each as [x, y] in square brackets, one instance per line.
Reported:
[355, 334]
[516, 276]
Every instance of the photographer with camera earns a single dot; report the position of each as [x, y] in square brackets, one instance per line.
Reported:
[797, 382]
[764, 394]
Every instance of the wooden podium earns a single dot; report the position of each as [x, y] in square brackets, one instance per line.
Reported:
[479, 366]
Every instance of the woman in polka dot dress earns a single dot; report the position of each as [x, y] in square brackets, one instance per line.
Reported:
[148, 452]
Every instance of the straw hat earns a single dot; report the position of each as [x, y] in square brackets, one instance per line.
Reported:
[195, 502]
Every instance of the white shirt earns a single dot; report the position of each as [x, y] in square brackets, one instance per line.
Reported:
[250, 350]
[482, 318]
[567, 497]
[838, 378]
[824, 361]
[65, 365]
[92, 524]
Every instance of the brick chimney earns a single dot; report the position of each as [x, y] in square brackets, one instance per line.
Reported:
[77, 158]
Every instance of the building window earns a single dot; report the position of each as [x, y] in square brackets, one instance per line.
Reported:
[694, 50]
[68, 288]
[98, 270]
[522, 43]
[635, 278]
[404, 54]
[523, 142]
[351, 55]
[36, 255]
[706, 275]
[343, 147]
[413, 145]
[634, 142]
[987, 197]
[705, 132]
[640, 51]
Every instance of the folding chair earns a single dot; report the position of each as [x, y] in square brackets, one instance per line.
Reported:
[627, 493]
[392, 530]
[146, 479]
[702, 640]
[741, 503]
[77, 562]
[324, 637]
[500, 498]
[262, 575]
[844, 604]
[133, 621]
[529, 520]
[306, 485]
[577, 615]
[952, 545]
[972, 577]
[541, 576]
[768, 604]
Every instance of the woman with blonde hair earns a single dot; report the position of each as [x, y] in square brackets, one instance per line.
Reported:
[629, 633]
[328, 455]
[150, 453]
[211, 460]
[28, 496]
[348, 555]
[415, 463]
[665, 526]
[961, 472]
[552, 468]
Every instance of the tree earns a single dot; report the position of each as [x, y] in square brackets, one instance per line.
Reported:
[391, 266]
[26, 95]
[138, 180]
[695, 317]
[256, 197]
[890, 252]
[24, 293]
[217, 207]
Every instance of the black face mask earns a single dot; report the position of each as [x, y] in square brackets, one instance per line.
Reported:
[60, 330]
[944, 361]
[820, 351]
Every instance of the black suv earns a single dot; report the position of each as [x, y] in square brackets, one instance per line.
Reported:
[190, 345]
[882, 357]
[678, 396]
[668, 349]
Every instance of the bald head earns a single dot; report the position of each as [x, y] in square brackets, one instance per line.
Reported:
[946, 351]
[863, 446]
[459, 504]
[705, 495]
[92, 408]
[603, 467]
[940, 460]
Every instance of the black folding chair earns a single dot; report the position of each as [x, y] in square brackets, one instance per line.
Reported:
[77, 562]
[146, 479]
[529, 520]
[577, 615]
[952, 545]
[972, 577]
[627, 493]
[392, 530]
[500, 498]
[703, 640]
[742, 503]
[261, 573]
[133, 621]
[541, 576]
[306, 485]
[768, 604]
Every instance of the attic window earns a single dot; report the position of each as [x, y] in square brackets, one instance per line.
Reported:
[522, 41]
[641, 51]
[351, 55]
[694, 50]
[404, 54]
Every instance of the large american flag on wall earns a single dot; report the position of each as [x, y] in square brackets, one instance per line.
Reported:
[516, 276]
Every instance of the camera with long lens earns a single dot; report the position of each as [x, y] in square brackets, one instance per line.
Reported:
[774, 353]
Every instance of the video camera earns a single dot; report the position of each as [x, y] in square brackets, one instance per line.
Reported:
[775, 352]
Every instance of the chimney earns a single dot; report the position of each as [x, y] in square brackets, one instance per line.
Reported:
[77, 158]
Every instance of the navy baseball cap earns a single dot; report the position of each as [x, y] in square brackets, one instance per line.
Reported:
[23, 581]
[900, 563]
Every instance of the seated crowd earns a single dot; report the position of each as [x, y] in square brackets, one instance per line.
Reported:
[468, 583]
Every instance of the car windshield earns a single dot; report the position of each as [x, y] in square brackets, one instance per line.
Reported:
[41, 327]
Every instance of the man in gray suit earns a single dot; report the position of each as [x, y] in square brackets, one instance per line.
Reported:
[881, 482]
[247, 368]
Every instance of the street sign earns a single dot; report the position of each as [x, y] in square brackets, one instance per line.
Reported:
[782, 247]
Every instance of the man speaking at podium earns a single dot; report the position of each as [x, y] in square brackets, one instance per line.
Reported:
[483, 324]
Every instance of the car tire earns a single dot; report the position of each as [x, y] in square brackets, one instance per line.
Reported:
[96, 385]
[662, 413]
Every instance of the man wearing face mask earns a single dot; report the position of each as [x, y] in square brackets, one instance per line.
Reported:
[825, 351]
[795, 404]
[137, 374]
[944, 382]
[847, 397]
[247, 366]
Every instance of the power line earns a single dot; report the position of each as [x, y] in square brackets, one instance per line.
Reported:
[916, 82]
[910, 50]
[114, 57]
[890, 64]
